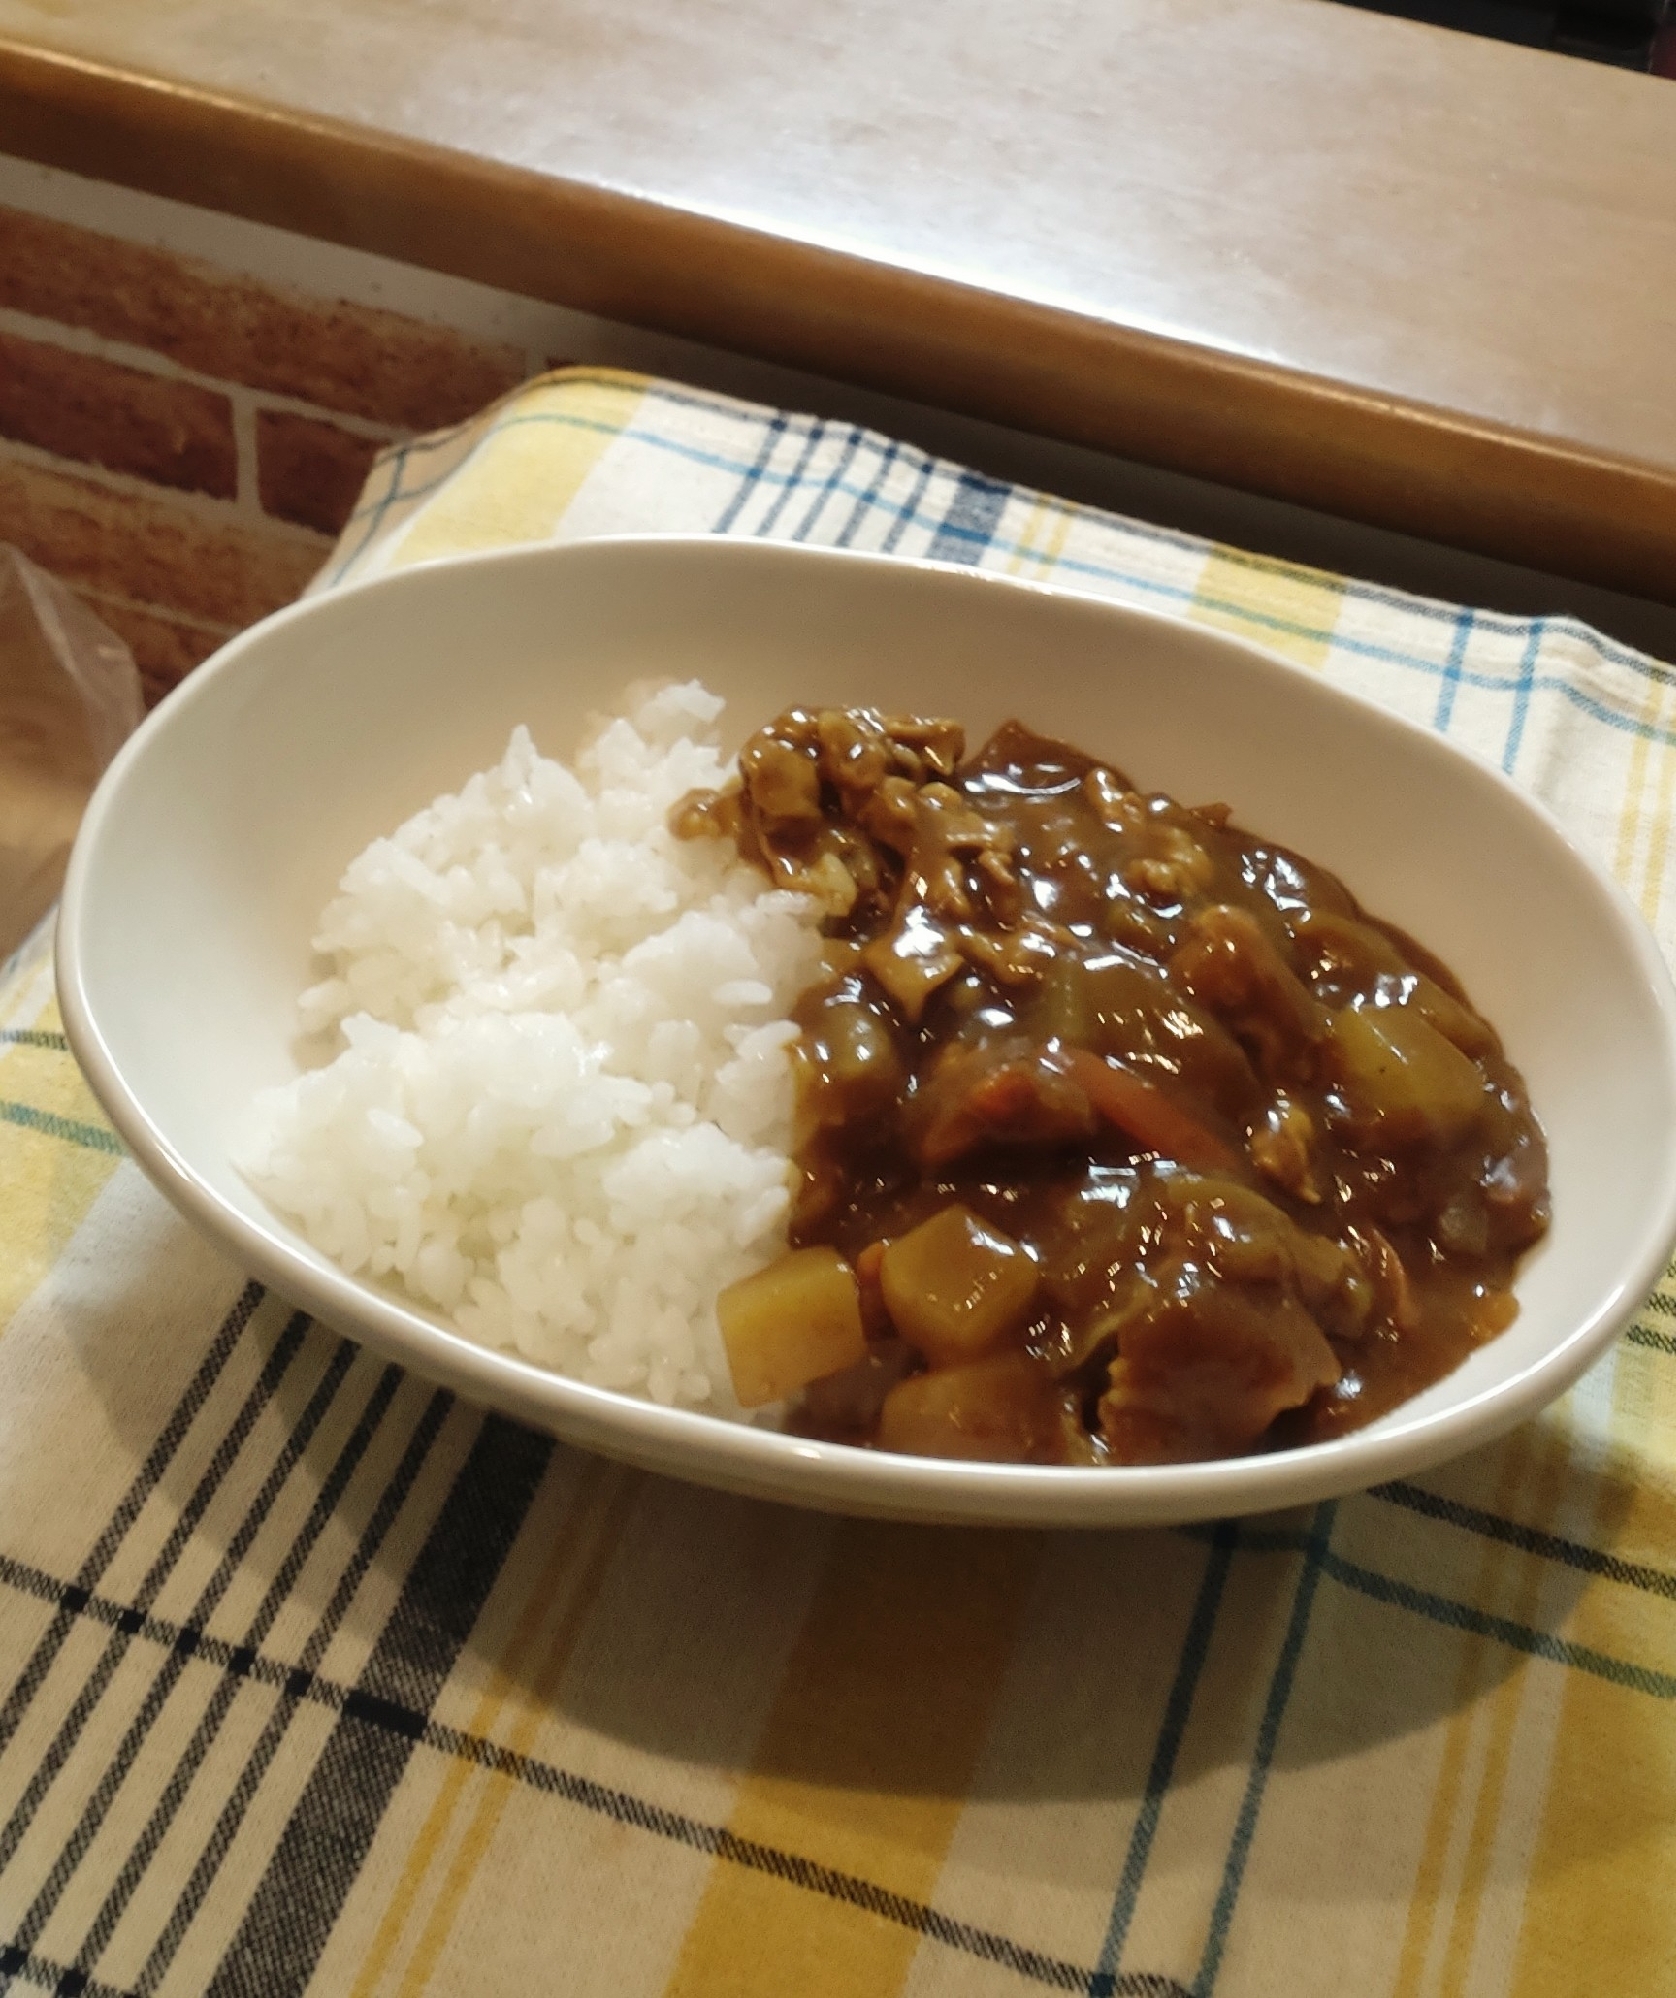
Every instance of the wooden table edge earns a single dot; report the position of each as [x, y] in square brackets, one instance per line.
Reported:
[1444, 475]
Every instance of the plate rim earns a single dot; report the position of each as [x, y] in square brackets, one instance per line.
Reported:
[705, 1448]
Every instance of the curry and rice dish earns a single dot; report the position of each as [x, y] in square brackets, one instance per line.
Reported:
[1121, 1135]
[975, 1107]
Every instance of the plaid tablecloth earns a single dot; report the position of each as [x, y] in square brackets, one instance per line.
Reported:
[312, 1678]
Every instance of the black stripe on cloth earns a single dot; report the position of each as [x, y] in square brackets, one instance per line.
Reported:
[121, 1763]
[1530, 1539]
[719, 1843]
[69, 1732]
[410, 1727]
[1455, 1615]
[278, 1592]
[296, 1683]
[1645, 1335]
[964, 1937]
[328, 1836]
[292, 1681]
[116, 1528]
[58, 1978]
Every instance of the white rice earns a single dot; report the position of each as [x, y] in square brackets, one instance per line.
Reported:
[560, 1106]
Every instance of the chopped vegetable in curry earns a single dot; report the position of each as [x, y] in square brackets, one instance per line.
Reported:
[1124, 1137]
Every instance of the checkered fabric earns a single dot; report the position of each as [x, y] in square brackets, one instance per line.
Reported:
[314, 1679]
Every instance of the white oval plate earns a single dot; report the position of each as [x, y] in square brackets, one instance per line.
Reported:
[219, 834]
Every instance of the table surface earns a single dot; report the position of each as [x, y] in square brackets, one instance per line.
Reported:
[1404, 275]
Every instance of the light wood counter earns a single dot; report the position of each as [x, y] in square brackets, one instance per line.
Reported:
[1406, 276]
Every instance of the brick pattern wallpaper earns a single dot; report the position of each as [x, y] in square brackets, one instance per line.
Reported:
[180, 443]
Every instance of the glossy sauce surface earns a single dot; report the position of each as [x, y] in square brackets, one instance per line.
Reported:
[1269, 1172]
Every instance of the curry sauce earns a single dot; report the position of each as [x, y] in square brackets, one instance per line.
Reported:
[1122, 1135]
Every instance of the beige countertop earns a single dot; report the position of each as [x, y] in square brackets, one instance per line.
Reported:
[1411, 277]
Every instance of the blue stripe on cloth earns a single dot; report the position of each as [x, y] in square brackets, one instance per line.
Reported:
[749, 476]
[868, 498]
[750, 416]
[964, 541]
[1452, 672]
[907, 510]
[793, 480]
[1454, 1615]
[70, 1130]
[375, 513]
[970, 523]
[1547, 1546]
[1522, 700]
[829, 485]
[1195, 1648]
[1262, 1758]
[1658, 1685]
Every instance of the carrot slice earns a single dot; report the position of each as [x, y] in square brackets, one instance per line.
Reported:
[1142, 1111]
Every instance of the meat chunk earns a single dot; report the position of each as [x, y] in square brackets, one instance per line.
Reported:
[1205, 1365]
[1231, 964]
[1174, 866]
[913, 960]
[1282, 1149]
[1236, 1233]
[784, 782]
[1001, 1094]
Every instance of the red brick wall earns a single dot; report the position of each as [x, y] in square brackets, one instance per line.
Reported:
[180, 443]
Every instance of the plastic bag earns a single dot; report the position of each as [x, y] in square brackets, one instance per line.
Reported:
[69, 698]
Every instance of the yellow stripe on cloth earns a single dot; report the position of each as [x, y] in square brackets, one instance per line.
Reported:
[1598, 1914]
[527, 468]
[1658, 842]
[1603, 1877]
[1513, 1585]
[1281, 605]
[1628, 862]
[583, 1554]
[1441, 1857]
[601, 1531]
[1050, 520]
[864, 1762]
